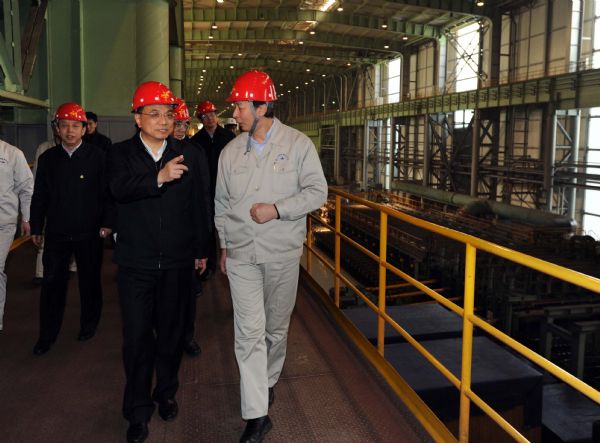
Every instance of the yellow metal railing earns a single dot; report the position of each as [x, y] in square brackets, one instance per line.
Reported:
[18, 242]
[472, 244]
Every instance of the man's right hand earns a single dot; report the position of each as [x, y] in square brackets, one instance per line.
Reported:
[222, 260]
[37, 240]
[173, 170]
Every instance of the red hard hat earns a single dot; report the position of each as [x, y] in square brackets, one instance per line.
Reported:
[152, 93]
[70, 111]
[253, 86]
[205, 108]
[181, 110]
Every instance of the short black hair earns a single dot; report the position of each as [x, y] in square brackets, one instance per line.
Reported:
[270, 105]
[91, 116]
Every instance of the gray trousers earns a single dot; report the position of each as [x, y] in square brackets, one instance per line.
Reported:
[263, 298]
[7, 235]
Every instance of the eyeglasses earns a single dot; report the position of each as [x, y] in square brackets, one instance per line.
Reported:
[180, 124]
[155, 115]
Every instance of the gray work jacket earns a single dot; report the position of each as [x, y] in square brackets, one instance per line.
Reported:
[16, 184]
[287, 173]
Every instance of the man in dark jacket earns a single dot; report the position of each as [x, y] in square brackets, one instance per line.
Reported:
[163, 223]
[212, 138]
[70, 199]
[190, 345]
[92, 135]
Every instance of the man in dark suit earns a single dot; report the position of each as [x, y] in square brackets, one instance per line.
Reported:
[212, 138]
[190, 345]
[163, 224]
[92, 135]
[70, 205]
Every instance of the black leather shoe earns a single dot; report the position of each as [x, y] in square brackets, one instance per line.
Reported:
[192, 348]
[85, 336]
[206, 275]
[168, 409]
[256, 429]
[41, 347]
[271, 396]
[137, 432]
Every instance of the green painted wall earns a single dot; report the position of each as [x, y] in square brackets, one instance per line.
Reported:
[92, 54]
[64, 63]
[108, 55]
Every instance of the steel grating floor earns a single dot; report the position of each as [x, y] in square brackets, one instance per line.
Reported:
[73, 393]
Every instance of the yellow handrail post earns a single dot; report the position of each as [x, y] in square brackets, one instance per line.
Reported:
[467, 346]
[309, 242]
[383, 228]
[338, 229]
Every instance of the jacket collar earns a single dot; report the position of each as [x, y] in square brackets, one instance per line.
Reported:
[277, 137]
[82, 150]
[172, 144]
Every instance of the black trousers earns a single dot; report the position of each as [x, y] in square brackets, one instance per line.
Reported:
[153, 305]
[190, 313]
[56, 256]
[213, 245]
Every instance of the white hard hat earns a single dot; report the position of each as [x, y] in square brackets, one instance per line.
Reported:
[230, 121]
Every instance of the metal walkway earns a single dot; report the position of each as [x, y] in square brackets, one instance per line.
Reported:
[73, 393]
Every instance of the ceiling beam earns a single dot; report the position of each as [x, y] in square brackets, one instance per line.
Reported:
[264, 63]
[278, 76]
[282, 51]
[273, 35]
[367, 22]
[470, 7]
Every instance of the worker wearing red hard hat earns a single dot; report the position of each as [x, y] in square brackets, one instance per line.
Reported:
[70, 214]
[163, 224]
[269, 178]
[182, 119]
[212, 138]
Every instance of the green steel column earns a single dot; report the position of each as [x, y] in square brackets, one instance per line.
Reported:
[64, 52]
[572, 190]
[475, 143]
[495, 50]
[176, 52]
[426, 150]
[365, 159]
[337, 152]
[152, 40]
[549, 147]
[176, 70]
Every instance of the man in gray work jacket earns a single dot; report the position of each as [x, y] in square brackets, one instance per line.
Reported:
[16, 189]
[268, 179]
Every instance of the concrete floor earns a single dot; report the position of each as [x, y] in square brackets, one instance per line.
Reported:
[73, 393]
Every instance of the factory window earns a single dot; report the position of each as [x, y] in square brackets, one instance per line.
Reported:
[467, 67]
[393, 80]
[596, 48]
[591, 210]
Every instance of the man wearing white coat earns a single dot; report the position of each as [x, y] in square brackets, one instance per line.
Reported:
[16, 189]
[268, 180]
